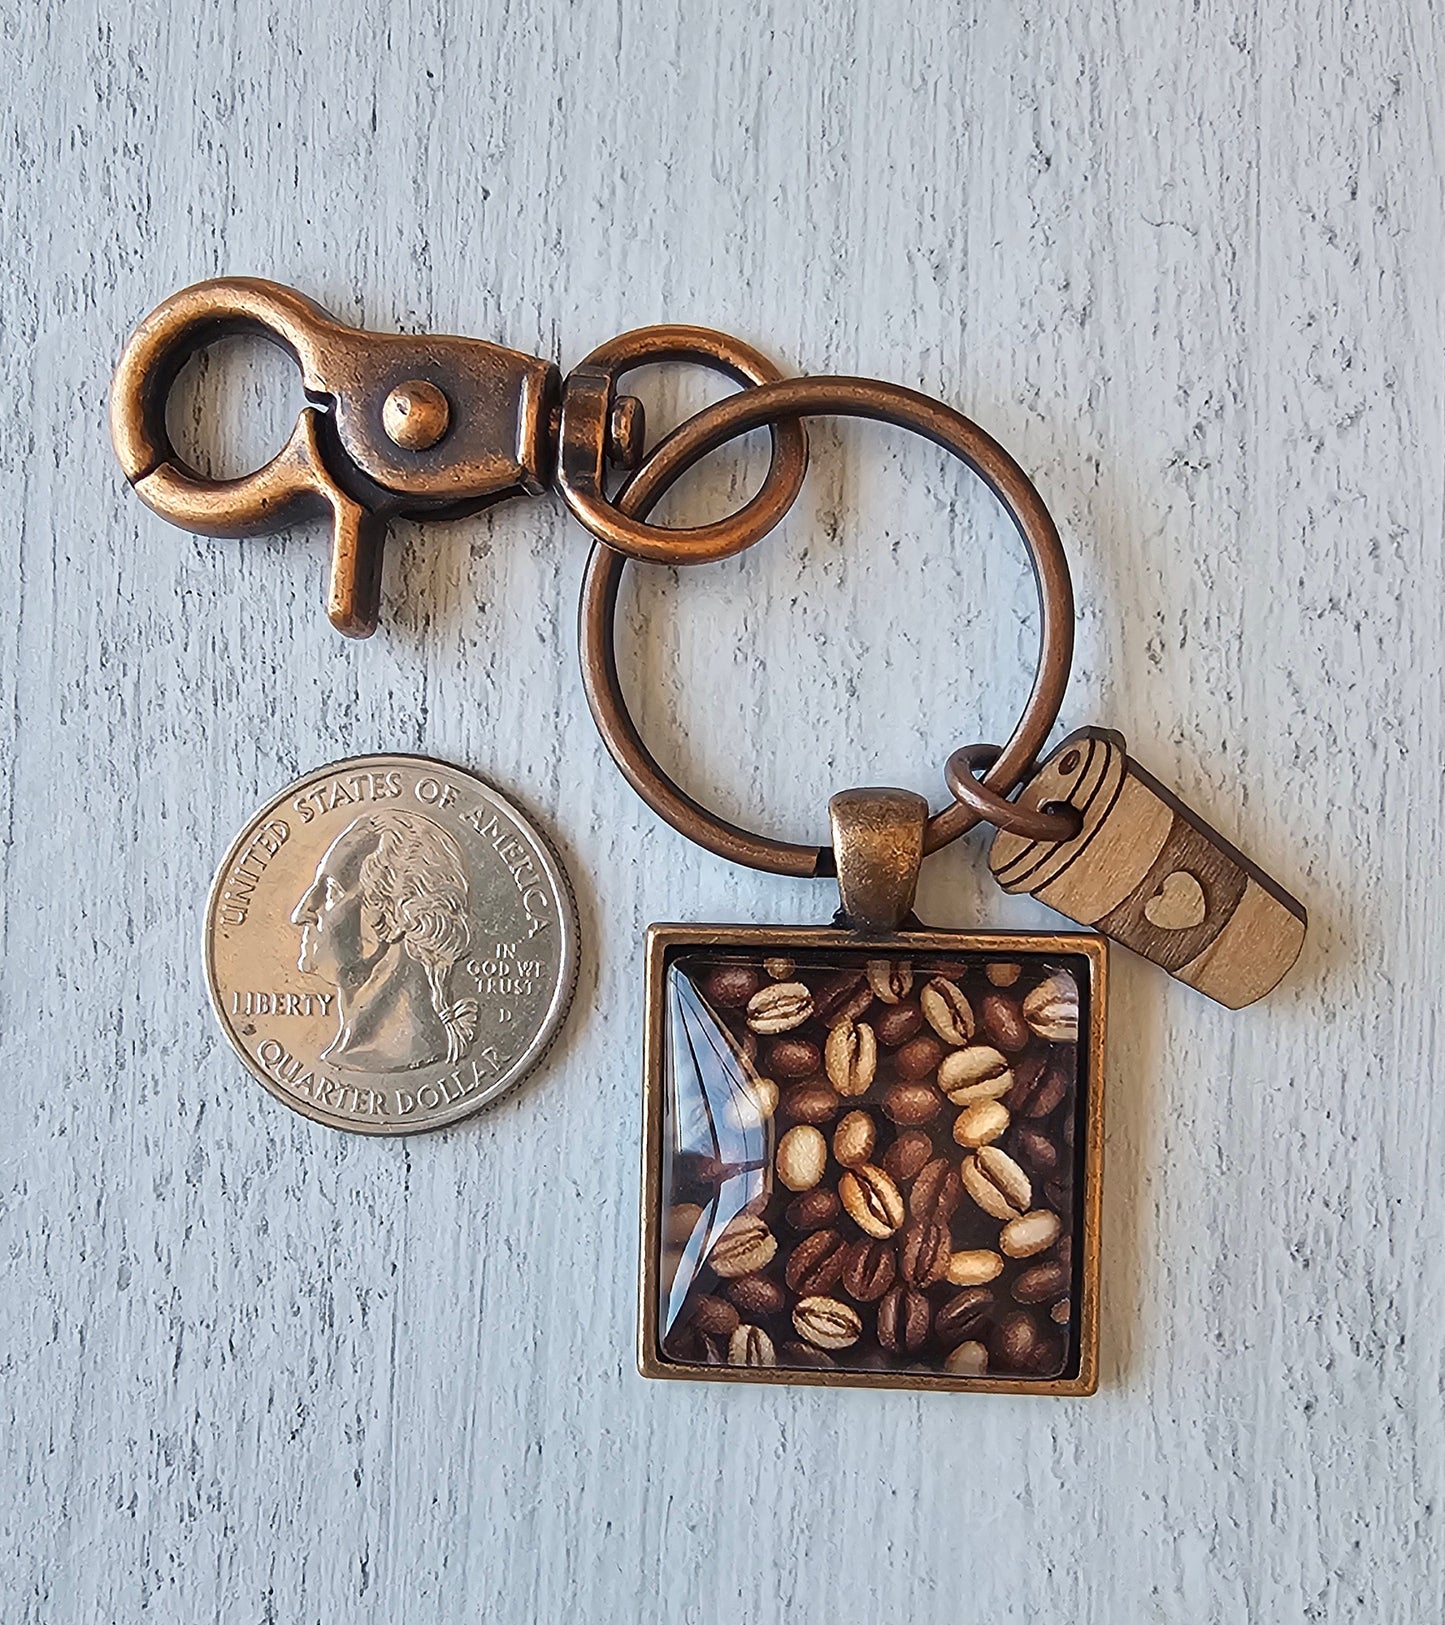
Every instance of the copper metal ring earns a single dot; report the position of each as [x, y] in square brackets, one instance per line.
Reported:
[619, 524]
[815, 397]
[961, 771]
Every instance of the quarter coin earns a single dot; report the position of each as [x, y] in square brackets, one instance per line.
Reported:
[390, 944]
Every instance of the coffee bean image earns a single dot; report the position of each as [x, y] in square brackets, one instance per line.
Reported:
[947, 1011]
[851, 1056]
[816, 1264]
[869, 1270]
[904, 1317]
[780, 1007]
[801, 1157]
[889, 1143]
[827, 1323]
[872, 1201]
[751, 1345]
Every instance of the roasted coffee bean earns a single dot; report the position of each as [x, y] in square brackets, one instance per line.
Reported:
[981, 1123]
[1043, 1094]
[936, 1192]
[1052, 1009]
[1003, 973]
[1016, 1344]
[947, 1011]
[897, 1024]
[919, 1058]
[838, 994]
[716, 1316]
[816, 1263]
[694, 1347]
[813, 1209]
[813, 1103]
[793, 1058]
[801, 1157]
[1036, 1148]
[757, 1295]
[804, 1354]
[753, 1104]
[827, 1323]
[1058, 1193]
[731, 986]
[903, 1317]
[868, 1270]
[911, 1104]
[1004, 1023]
[1064, 1252]
[964, 1315]
[910, 1152]
[924, 1253]
[1061, 1312]
[1042, 1283]
[996, 1183]
[871, 1200]
[751, 1345]
[974, 1268]
[744, 1246]
[851, 1056]
[779, 1007]
[854, 1139]
[979, 1072]
[781, 970]
[681, 1221]
[890, 979]
[1030, 1233]
[967, 1360]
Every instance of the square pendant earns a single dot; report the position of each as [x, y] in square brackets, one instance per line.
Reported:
[873, 1161]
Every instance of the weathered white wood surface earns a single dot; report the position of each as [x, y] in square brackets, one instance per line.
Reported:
[1186, 263]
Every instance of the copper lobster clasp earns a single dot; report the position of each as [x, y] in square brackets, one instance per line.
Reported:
[395, 426]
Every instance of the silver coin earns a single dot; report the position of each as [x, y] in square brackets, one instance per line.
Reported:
[390, 944]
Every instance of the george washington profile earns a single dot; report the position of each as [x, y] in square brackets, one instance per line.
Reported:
[385, 921]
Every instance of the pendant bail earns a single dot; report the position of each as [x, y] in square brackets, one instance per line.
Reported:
[877, 848]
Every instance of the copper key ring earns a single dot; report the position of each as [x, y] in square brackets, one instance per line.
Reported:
[819, 397]
[425, 426]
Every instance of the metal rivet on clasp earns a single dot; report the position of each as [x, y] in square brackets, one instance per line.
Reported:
[415, 415]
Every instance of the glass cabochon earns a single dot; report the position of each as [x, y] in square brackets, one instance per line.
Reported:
[872, 1166]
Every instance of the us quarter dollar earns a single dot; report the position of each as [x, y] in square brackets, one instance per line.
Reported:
[390, 944]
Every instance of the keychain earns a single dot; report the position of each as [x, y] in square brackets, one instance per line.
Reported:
[872, 1149]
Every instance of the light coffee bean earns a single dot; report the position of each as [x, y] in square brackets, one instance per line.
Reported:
[751, 1345]
[1042, 1283]
[981, 1123]
[793, 1058]
[1003, 973]
[753, 1104]
[780, 1007]
[974, 1268]
[781, 970]
[872, 1201]
[813, 1209]
[890, 979]
[936, 1192]
[868, 1270]
[1052, 1009]
[854, 1139]
[827, 1323]
[801, 1157]
[816, 1263]
[967, 1360]
[947, 1011]
[757, 1295]
[1004, 1023]
[1030, 1233]
[996, 1183]
[908, 1154]
[851, 1057]
[912, 1104]
[979, 1072]
[745, 1246]
[715, 1316]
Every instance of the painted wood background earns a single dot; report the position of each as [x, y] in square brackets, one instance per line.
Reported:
[1186, 263]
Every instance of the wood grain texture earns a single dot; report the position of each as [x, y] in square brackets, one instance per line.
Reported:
[1186, 266]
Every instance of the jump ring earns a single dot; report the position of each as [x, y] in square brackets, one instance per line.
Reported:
[961, 772]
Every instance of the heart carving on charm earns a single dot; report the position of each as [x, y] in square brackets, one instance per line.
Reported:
[1178, 904]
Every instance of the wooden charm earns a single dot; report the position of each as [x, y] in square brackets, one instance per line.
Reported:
[1151, 874]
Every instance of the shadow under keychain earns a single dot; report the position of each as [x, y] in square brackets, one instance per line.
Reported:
[872, 1150]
